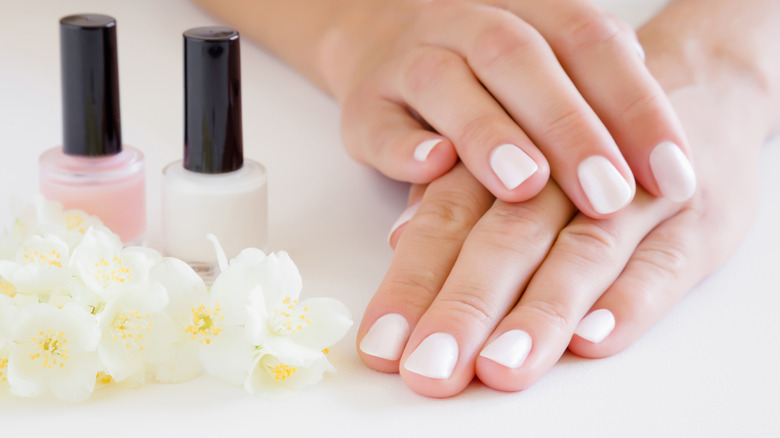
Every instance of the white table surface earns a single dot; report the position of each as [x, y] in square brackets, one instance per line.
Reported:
[709, 368]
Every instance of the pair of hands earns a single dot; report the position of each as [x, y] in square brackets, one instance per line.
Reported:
[498, 289]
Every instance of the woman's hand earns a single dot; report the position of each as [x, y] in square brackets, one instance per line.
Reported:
[500, 290]
[506, 87]
[515, 89]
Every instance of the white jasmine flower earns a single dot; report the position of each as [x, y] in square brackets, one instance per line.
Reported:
[284, 342]
[105, 267]
[135, 332]
[69, 225]
[43, 264]
[197, 321]
[55, 349]
[292, 339]
[279, 376]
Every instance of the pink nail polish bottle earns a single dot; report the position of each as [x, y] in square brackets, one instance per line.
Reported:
[92, 171]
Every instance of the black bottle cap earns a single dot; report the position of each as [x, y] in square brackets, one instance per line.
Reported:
[90, 85]
[213, 141]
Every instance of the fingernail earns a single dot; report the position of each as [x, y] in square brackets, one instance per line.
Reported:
[596, 326]
[435, 357]
[387, 337]
[423, 149]
[604, 186]
[639, 49]
[405, 217]
[673, 172]
[510, 349]
[511, 165]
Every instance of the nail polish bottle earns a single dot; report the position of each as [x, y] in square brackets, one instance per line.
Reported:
[92, 171]
[213, 189]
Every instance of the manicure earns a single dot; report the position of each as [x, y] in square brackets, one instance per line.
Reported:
[510, 349]
[435, 357]
[596, 326]
[604, 186]
[673, 172]
[405, 217]
[424, 149]
[387, 337]
[511, 165]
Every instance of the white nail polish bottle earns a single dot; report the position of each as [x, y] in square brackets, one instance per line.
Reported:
[213, 189]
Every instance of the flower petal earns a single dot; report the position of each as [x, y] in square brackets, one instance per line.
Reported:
[229, 356]
[184, 365]
[183, 285]
[330, 320]
[265, 382]
[79, 382]
[23, 381]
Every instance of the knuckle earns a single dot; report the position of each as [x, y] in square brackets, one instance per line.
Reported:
[666, 256]
[587, 30]
[504, 39]
[469, 303]
[593, 242]
[507, 223]
[481, 129]
[564, 125]
[552, 313]
[425, 67]
[641, 107]
[447, 216]
[413, 286]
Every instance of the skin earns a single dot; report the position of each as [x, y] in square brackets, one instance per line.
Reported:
[534, 77]
[475, 267]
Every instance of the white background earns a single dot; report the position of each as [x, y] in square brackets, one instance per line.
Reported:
[710, 368]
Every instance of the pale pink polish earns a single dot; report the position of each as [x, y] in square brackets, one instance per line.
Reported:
[92, 171]
[111, 188]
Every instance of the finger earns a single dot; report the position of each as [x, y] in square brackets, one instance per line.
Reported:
[443, 90]
[424, 255]
[521, 71]
[587, 257]
[499, 256]
[385, 136]
[416, 193]
[606, 62]
[664, 266]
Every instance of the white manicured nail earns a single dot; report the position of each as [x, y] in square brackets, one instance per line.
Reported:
[423, 149]
[387, 337]
[435, 357]
[596, 326]
[673, 172]
[509, 349]
[604, 186]
[405, 217]
[511, 165]
[639, 49]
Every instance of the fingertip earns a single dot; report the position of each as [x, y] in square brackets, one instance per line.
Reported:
[673, 172]
[430, 159]
[606, 189]
[514, 175]
[380, 345]
[397, 228]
